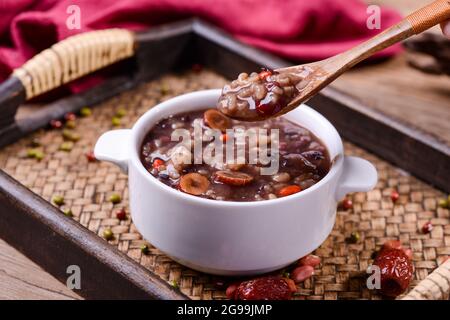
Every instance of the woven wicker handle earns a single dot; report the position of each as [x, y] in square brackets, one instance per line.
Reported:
[429, 16]
[434, 287]
[73, 58]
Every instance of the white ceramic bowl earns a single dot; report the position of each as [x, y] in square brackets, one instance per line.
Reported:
[233, 238]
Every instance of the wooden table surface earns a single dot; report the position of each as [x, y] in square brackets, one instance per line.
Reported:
[401, 92]
[421, 101]
[20, 278]
[390, 87]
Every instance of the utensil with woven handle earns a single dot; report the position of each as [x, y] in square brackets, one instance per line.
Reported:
[328, 70]
[324, 72]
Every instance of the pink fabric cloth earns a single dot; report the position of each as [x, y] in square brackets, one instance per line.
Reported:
[295, 29]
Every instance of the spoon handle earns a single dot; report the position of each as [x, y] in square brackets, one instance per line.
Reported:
[429, 16]
[417, 22]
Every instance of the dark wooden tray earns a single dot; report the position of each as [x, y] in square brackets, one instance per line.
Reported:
[37, 228]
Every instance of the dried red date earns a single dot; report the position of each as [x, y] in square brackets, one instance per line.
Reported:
[302, 273]
[265, 288]
[396, 271]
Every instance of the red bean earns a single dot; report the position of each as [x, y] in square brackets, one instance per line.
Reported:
[302, 273]
[70, 116]
[347, 204]
[197, 67]
[55, 124]
[394, 196]
[90, 156]
[157, 163]
[231, 290]
[427, 227]
[309, 260]
[121, 214]
[287, 191]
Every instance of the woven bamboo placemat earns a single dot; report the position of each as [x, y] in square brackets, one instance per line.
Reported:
[86, 187]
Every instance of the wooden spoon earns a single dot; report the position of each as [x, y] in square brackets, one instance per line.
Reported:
[311, 78]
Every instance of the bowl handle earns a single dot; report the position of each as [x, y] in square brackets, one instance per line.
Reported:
[357, 175]
[113, 146]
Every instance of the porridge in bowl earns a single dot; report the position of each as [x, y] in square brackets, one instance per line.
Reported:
[209, 155]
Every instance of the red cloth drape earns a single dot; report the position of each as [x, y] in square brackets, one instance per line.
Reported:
[295, 29]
